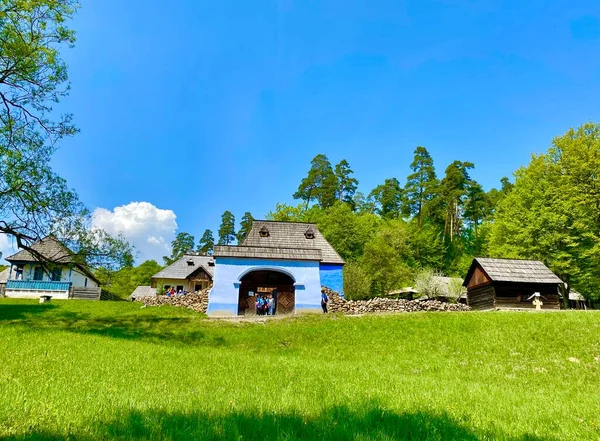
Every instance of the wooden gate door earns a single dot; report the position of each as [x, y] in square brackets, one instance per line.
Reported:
[286, 302]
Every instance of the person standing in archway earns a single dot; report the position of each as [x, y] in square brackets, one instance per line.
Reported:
[324, 301]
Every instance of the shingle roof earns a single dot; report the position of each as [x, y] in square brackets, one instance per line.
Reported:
[291, 235]
[267, 252]
[143, 291]
[52, 250]
[522, 271]
[49, 247]
[181, 270]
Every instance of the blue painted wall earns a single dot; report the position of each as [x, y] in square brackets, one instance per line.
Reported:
[224, 295]
[332, 277]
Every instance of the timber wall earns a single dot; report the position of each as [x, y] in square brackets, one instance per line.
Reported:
[481, 298]
[85, 293]
[514, 296]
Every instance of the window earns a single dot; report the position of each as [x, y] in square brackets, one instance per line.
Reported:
[264, 232]
[85, 283]
[310, 234]
[19, 272]
[167, 287]
[56, 275]
[38, 273]
[190, 262]
[179, 288]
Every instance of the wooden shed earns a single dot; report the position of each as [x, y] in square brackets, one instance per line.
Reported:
[510, 284]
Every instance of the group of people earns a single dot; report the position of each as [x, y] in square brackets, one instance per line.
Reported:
[265, 304]
[171, 292]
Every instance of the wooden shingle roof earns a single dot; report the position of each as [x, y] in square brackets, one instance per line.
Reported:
[181, 269]
[512, 270]
[49, 247]
[283, 240]
[267, 252]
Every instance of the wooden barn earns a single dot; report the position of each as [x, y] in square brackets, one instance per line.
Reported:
[511, 284]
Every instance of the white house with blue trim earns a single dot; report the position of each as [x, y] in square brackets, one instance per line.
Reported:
[288, 260]
[60, 277]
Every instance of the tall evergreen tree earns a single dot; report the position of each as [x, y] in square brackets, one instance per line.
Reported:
[182, 243]
[206, 243]
[453, 192]
[388, 199]
[245, 226]
[320, 184]
[347, 185]
[421, 184]
[227, 229]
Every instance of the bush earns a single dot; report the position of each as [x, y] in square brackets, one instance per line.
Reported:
[357, 282]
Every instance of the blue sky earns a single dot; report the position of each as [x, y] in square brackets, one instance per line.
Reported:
[199, 107]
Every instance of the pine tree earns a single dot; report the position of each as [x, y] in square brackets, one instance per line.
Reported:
[320, 184]
[388, 199]
[206, 243]
[421, 184]
[245, 226]
[453, 192]
[347, 185]
[227, 229]
[182, 243]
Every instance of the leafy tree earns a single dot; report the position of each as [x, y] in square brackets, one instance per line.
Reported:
[245, 226]
[206, 243]
[388, 199]
[227, 229]
[421, 184]
[182, 243]
[552, 212]
[34, 201]
[387, 257]
[123, 282]
[345, 230]
[357, 281]
[320, 184]
[347, 185]
[363, 204]
[426, 244]
[288, 213]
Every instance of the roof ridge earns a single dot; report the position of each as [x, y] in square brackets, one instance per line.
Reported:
[283, 222]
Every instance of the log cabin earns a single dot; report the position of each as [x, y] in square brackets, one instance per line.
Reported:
[510, 284]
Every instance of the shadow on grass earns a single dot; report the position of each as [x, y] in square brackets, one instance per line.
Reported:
[151, 329]
[21, 312]
[338, 423]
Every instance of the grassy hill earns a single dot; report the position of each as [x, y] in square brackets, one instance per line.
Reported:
[103, 370]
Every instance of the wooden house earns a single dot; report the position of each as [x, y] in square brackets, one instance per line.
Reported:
[60, 276]
[191, 273]
[511, 284]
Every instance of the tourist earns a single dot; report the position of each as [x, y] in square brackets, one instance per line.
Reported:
[258, 306]
[265, 306]
[271, 305]
[324, 301]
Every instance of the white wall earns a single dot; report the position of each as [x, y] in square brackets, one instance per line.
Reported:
[26, 294]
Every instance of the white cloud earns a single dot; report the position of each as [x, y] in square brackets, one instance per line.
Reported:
[148, 228]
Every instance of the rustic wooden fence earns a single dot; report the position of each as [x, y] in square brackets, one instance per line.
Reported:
[84, 293]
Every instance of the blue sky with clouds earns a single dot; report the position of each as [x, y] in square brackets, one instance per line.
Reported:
[193, 107]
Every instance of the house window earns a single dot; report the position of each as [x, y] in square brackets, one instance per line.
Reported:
[179, 288]
[38, 273]
[56, 274]
[85, 282]
[19, 272]
[264, 232]
[167, 287]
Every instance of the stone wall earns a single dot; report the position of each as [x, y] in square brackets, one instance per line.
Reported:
[197, 301]
[379, 305]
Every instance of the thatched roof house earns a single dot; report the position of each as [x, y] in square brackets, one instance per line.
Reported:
[510, 284]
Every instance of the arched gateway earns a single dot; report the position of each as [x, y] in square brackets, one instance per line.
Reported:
[290, 260]
[266, 283]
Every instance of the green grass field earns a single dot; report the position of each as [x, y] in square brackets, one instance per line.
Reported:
[103, 370]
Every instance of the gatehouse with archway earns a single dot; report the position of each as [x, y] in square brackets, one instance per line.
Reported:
[286, 261]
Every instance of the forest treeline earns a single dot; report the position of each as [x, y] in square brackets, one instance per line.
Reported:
[440, 221]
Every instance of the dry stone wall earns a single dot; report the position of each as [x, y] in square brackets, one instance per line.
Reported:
[379, 305]
[195, 301]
